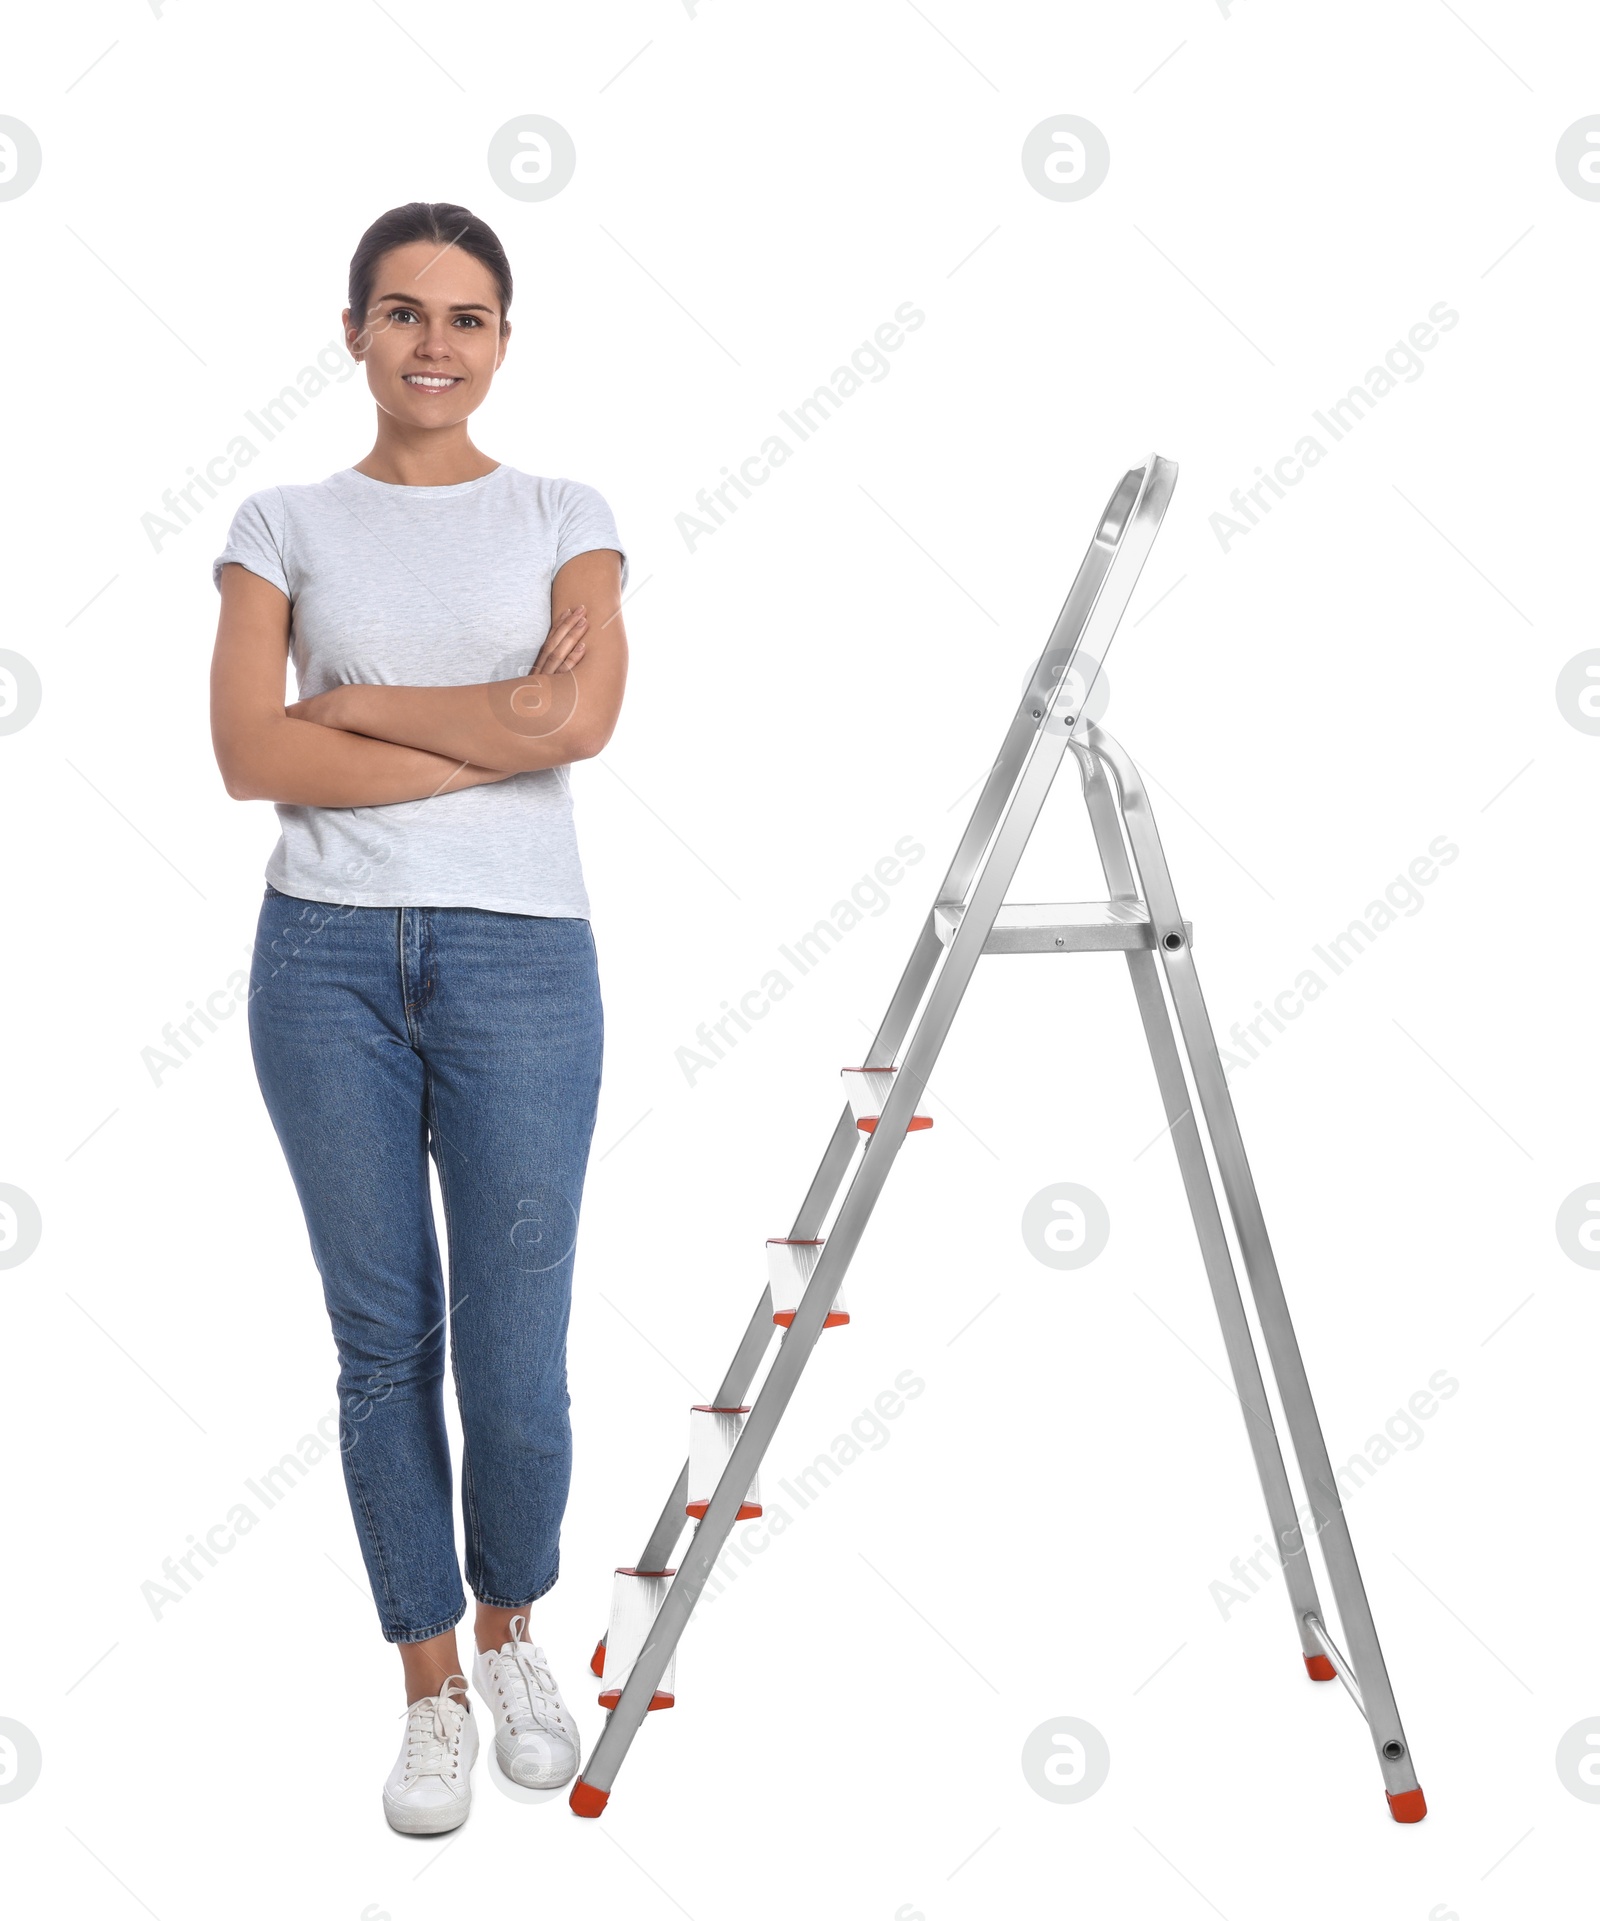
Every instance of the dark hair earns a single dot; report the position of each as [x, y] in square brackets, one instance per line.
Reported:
[441, 224]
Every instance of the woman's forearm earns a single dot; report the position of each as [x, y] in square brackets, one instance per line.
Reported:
[304, 764]
[516, 726]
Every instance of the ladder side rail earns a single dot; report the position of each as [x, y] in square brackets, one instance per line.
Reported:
[1089, 616]
[836, 1158]
[1250, 1391]
[928, 949]
[907, 997]
[1114, 558]
[1283, 1351]
[998, 789]
[711, 1533]
[872, 1170]
[741, 1372]
[841, 1151]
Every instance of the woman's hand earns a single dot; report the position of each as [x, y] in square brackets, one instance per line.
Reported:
[563, 645]
[562, 650]
[321, 708]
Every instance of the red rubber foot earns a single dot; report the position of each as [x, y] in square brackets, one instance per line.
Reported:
[590, 1802]
[1318, 1666]
[597, 1660]
[1409, 1806]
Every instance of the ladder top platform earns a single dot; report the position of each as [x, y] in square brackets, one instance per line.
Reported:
[1060, 927]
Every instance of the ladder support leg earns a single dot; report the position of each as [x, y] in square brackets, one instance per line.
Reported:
[1272, 1308]
[1290, 1549]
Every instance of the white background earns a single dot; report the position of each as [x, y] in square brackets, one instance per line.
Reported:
[1372, 666]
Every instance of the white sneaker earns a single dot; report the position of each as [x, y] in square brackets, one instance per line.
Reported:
[535, 1736]
[429, 1788]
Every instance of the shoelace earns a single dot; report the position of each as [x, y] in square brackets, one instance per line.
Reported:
[431, 1727]
[531, 1707]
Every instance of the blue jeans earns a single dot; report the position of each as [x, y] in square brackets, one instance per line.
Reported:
[381, 1034]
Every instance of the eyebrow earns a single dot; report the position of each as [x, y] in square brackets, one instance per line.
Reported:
[459, 306]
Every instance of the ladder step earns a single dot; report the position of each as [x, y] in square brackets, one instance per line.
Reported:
[713, 1434]
[868, 1088]
[1059, 927]
[635, 1601]
[790, 1265]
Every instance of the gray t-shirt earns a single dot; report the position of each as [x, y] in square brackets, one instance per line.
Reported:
[425, 587]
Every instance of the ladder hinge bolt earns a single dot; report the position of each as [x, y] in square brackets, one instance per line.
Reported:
[1172, 942]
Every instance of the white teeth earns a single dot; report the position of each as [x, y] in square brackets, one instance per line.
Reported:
[430, 380]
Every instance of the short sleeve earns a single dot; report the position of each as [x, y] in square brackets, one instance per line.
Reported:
[586, 523]
[255, 540]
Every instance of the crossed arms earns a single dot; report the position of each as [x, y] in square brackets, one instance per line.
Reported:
[366, 746]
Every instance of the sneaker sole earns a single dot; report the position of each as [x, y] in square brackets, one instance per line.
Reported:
[424, 1820]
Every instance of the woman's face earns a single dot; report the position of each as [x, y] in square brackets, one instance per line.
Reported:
[432, 339]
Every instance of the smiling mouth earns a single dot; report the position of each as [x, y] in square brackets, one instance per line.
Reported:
[432, 383]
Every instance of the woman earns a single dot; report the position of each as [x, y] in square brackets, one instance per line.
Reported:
[424, 977]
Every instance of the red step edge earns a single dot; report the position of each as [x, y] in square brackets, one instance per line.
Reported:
[611, 1696]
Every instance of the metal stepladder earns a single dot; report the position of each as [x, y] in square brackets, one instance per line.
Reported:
[970, 917]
